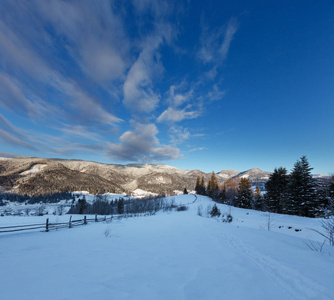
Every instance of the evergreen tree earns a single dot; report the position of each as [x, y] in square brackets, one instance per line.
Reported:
[120, 206]
[258, 199]
[215, 212]
[213, 188]
[244, 196]
[276, 188]
[203, 192]
[82, 205]
[198, 185]
[331, 187]
[185, 192]
[223, 195]
[302, 197]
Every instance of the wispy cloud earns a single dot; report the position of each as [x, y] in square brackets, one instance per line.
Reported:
[139, 95]
[178, 134]
[14, 136]
[215, 44]
[80, 70]
[198, 149]
[178, 98]
[177, 95]
[177, 115]
[141, 144]
[95, 35]
[7, 154]
[32, 63]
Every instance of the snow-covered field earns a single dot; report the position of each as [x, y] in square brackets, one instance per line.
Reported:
[175, 255]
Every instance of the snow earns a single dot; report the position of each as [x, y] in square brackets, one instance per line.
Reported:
[175, 255]
[5, 158]
[34, 169]
[139, 193]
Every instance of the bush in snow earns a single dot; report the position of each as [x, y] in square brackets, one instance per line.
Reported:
[182, 208]
[215, 212]
[228, 218]
[200, 210]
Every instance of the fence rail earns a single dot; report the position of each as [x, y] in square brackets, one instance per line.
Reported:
[47, 226]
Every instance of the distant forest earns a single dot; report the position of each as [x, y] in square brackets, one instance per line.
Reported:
[297, 193]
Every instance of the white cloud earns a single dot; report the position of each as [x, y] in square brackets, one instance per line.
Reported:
[28, 49]
[198, 149]
[141, 144]
[178, 134]
[95, 35]
[139, 96]
[176, 115]
[216, 43]
[231, 29]
[176, 97]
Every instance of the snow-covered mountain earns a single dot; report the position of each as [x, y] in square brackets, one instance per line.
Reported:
[31, 175]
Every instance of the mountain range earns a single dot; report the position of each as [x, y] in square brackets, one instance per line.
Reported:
[39, 176]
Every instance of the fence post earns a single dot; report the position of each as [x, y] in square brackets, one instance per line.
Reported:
[85, 220]
[95, 217]
[47, 225]
[105, 218]
[70, 222]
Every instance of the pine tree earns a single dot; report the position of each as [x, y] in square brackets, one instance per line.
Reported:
[185, 192]
[198, 185]
[276, 188]
[215, 212]
[244, 196]
[258, 199]
[302, 197]
[82, 205]
[223, 195]
[202, 187]
[120, 206]
[213, 188]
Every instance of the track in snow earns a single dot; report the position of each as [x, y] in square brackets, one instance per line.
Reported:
[292, 281]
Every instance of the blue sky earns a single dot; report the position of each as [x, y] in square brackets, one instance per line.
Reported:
[207, 85]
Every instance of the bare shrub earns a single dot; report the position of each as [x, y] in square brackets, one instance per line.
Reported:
[200, 210]
[269, 224]
[107, 232]
[60, 210]
[315, 246]
[328, 226]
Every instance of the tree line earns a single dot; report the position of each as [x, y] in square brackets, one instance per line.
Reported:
[49, 198]
[297, 193]
[101, 206]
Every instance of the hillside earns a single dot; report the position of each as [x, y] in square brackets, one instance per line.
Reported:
[176, 255]
[37, 176]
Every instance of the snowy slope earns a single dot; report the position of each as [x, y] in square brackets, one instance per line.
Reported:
[177, 255]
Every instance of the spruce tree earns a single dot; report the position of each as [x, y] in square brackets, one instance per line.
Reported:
[244, 196]
[120, 206]
[276, 188]
[258, 199]
[302, 197]
[213, 188]
[202, 186]
[198, 186]
[215, 212]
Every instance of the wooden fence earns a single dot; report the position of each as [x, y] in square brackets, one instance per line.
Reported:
[47, 226]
